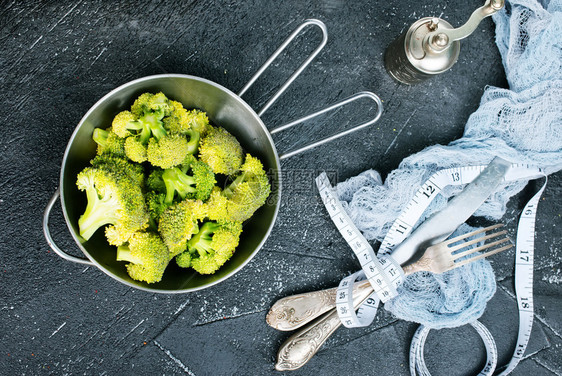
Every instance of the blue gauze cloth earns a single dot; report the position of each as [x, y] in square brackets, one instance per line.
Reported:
[523, 124]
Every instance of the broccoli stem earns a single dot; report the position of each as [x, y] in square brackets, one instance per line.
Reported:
[193, 143]
[124, 254]
[145, 135]
[202, 240]
[228, 191]
[99, 212]
[100, 137]
[177, 181]
[155, 125]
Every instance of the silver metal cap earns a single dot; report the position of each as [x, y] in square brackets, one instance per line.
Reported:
[426, 55]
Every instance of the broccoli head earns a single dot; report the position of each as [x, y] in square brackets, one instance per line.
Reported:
[195, 180]
[211, 247]
[156, 205]
[108, 142]
[142, 124]
[135, 150]
[246, 194]
[177, 121]
[114, 198]
[217, 206]
[147, 256]
[120, 165]
[198, 122]
[178, 223]
[138, 131]
[152, 103]
[220, 150]
[168, 151]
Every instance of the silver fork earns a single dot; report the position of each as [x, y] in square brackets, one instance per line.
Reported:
[294, 311]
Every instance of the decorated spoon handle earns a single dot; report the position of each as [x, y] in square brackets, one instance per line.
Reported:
[293, 312]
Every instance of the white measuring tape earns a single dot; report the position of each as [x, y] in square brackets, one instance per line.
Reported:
[385, 275]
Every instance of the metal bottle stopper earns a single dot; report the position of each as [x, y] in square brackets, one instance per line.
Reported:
[431, 45]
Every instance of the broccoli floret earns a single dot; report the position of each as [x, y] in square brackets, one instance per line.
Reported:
[156, 204]
[135, 150]
[126, 124]
[120, 165]
[179, 222]
[140, 106]
[143, 124]
[246, 194]
[162, 138]
[196, 184]
[217, 206]
[108, 142]
[168, 151]
[113, 198]
[220, 150]
[147, 256]
[178, 120]
[138, 131]
[198, 122]
[184, 259]
[211, 247]
[152, 103]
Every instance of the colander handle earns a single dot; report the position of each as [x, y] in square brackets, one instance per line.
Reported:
[49, 238]
[297, 72]
[354, 97]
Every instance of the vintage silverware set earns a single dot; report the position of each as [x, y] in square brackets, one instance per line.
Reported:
[424, 250]
[319, 307]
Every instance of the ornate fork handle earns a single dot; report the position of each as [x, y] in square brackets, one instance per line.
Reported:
[295, 311]
[301, 346]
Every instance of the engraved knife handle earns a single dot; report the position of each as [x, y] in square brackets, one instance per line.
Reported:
[293, 312]
[301, 346]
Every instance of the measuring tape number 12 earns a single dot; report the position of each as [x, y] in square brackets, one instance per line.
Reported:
[385, 275]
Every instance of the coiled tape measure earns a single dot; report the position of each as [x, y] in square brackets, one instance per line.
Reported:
[385, 275]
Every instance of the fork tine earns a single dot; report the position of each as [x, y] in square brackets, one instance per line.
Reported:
[477, 240]
[481, 256]
[470, 234]
[481, 248]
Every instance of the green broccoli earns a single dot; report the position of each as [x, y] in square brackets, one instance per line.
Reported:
[178, 223]
[113, 198]
[196, 184]
[168, 151]
[147, 256]
[211, 247]
[220, 150]
[153, 131]
[217, 206]
[108, 142]
[138, 132]
[156, 204]
[198, 122]
[178, 120]
[152, 103]
[195, 126]
[246, 194]
[120, 165]
[135, 150]
[126, 124]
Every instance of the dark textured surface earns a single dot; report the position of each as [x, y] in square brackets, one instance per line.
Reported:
[58, 59]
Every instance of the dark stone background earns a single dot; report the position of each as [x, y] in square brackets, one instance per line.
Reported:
[59, 58]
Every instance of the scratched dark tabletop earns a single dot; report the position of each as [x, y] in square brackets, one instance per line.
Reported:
[59, 58]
